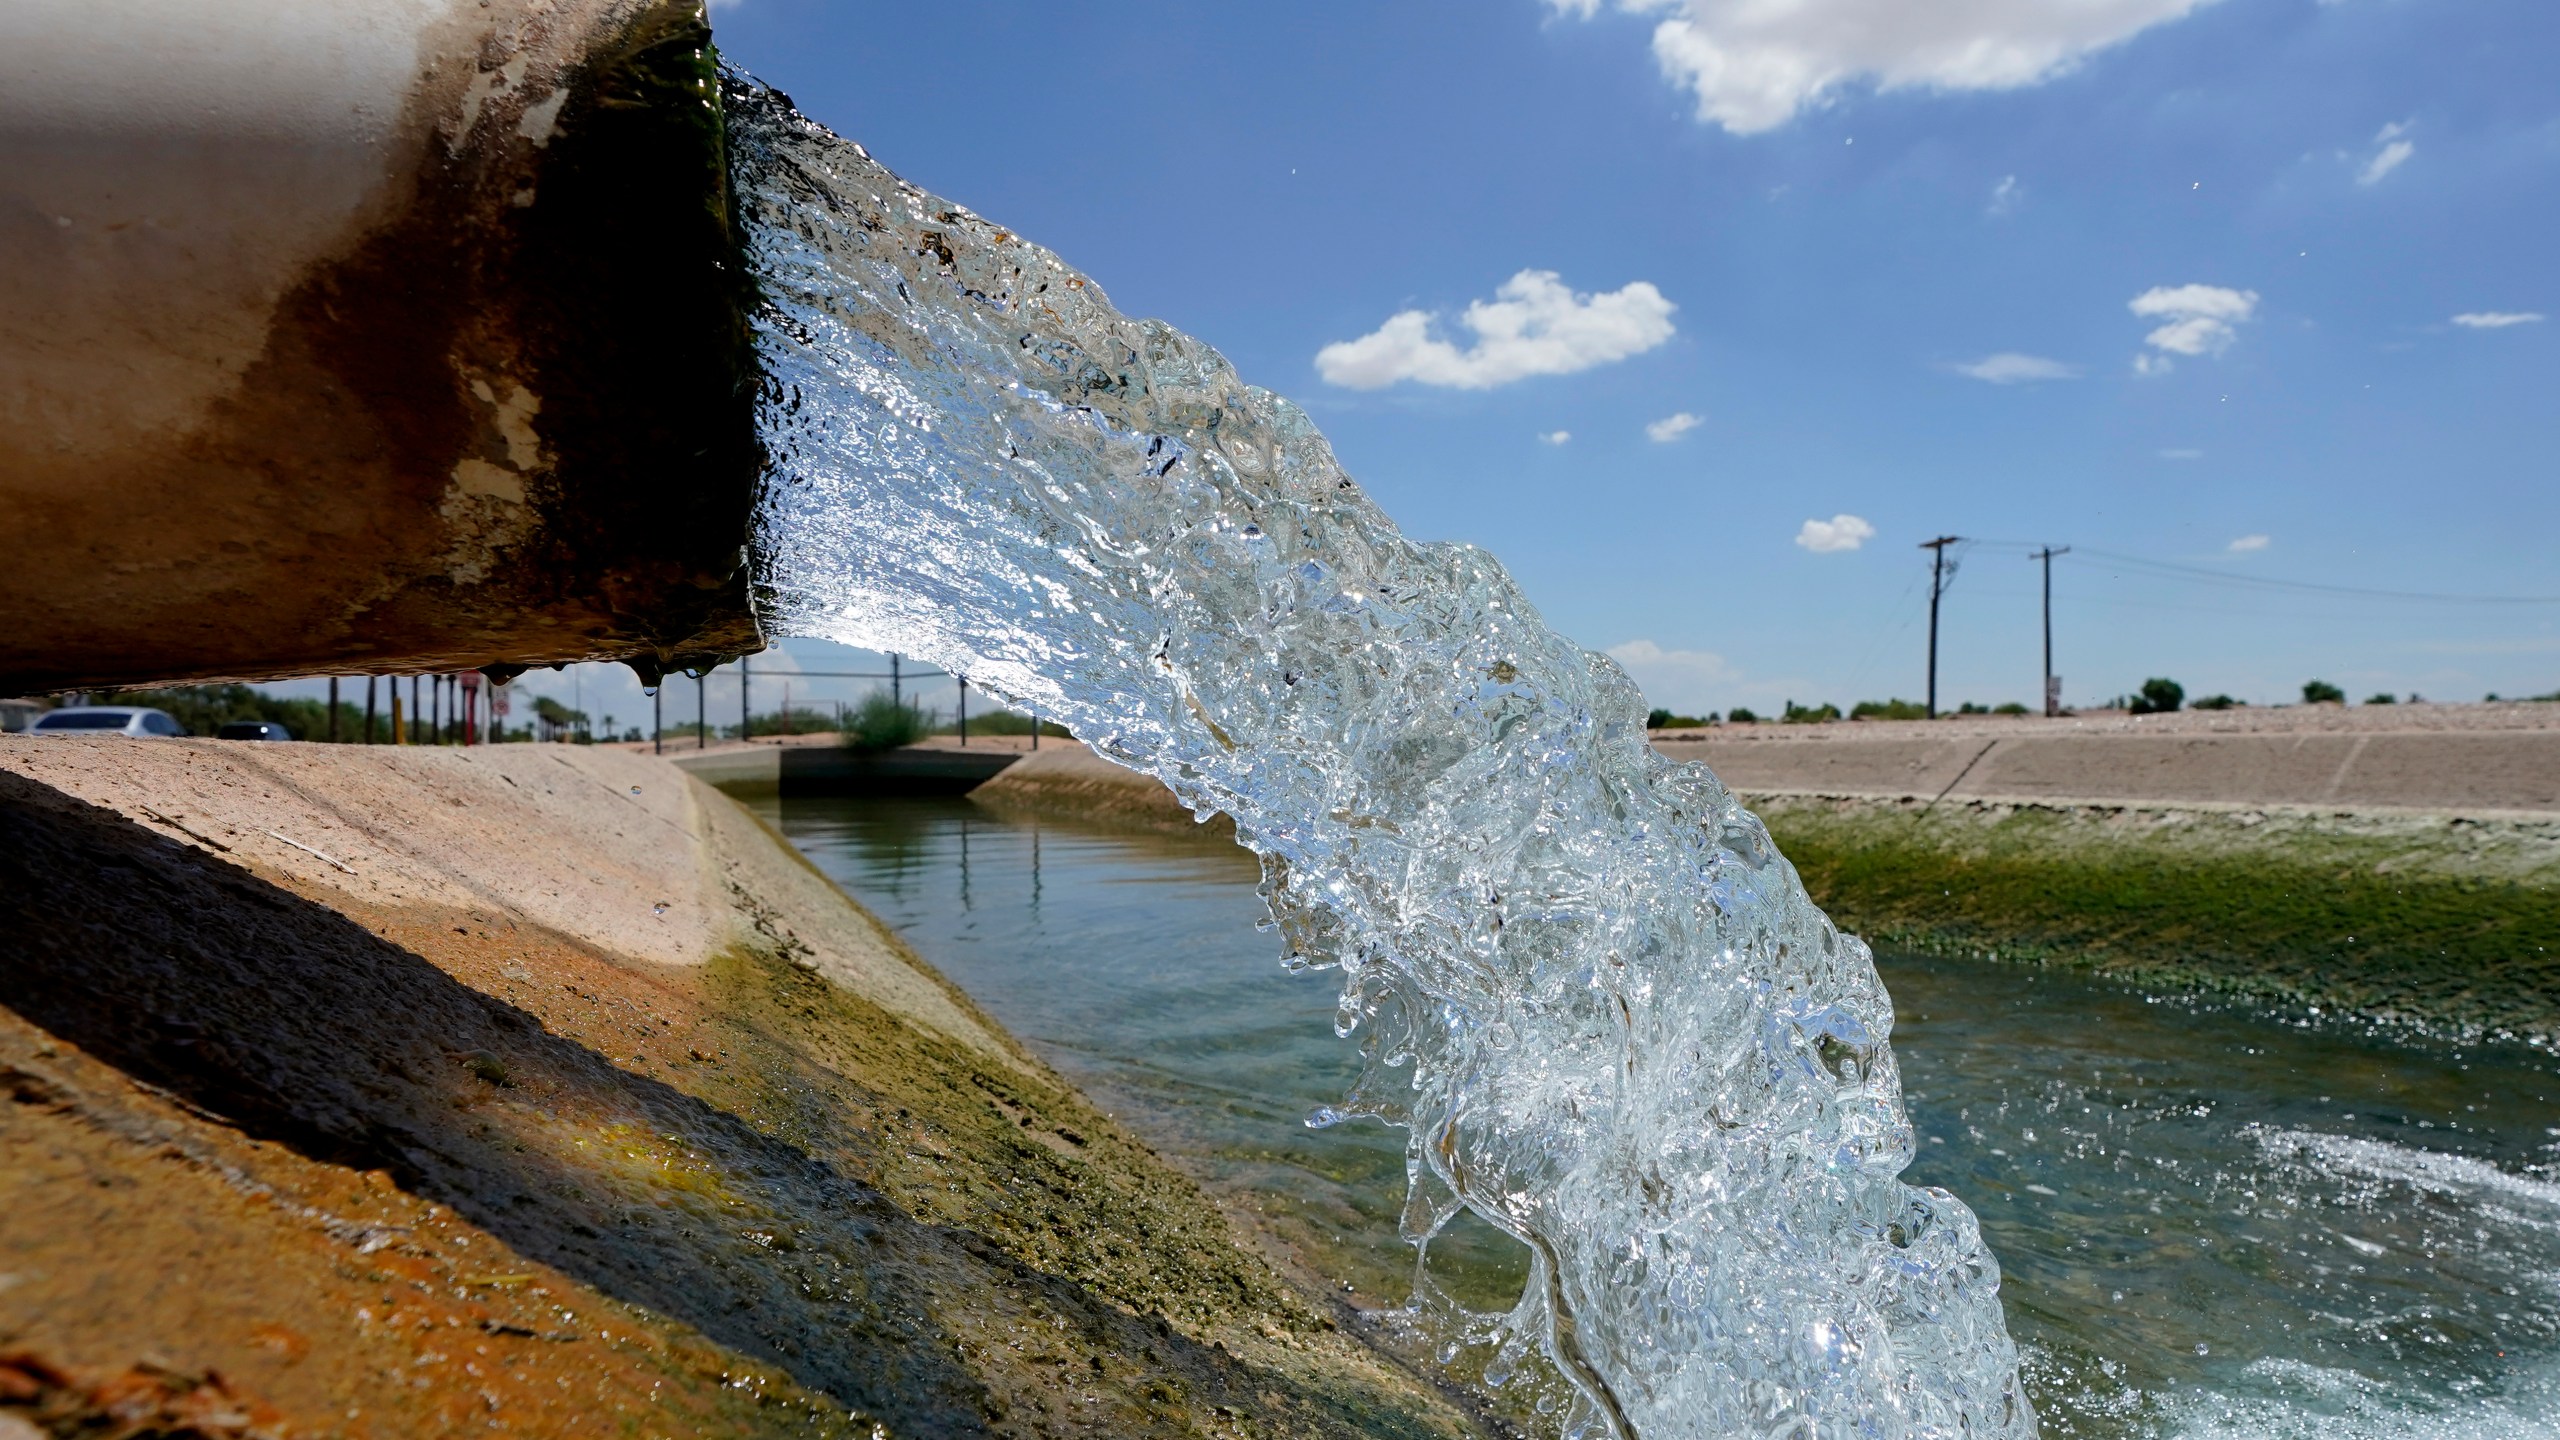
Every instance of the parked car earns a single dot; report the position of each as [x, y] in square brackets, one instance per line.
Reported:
[252, 730]
[133, 720]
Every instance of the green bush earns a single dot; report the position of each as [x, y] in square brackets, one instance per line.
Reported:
[2217, 702]
[881, 723]
[2385, 698]
[2159, 696]
[1888, 710]
[1810, 714]
[2009, 708]
[2321, 692]
[1741, 715]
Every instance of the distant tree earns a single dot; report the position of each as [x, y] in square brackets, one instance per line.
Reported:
[2216, 702]
[2010, 707]
[1888, 710]
[1970, 708]
[1741, 715]
[2159, 696]
[1657, 718]
[204, 709]
[555, 721]
[1810, 714]
[2321, 692]
[2385, 698]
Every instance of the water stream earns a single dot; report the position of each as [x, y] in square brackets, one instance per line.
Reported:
[1592, 993]
[2215, 1224]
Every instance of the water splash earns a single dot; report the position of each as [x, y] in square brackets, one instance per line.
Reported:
[1618, 1029]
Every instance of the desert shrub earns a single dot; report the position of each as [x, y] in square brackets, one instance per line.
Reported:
[881, 723]
[2216, 702]
[2158, 696]
[1810, 714]
[1888, 710]
[2321, 692]
[2009, 708]
[2385, 698]
[1741, 715]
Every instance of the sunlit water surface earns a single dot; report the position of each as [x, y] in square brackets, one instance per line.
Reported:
[2212, 1224]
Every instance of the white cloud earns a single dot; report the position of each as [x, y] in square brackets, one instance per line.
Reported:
[1840, 532]
[2181, 454]
[2006, 196]
[2249, 544]
[1671, 427]
[2497, 319]
[2395, 152]
[1534, 325]
[1686, 680]
[1556, 437]
[2147, 364]
[1755, 64]
[2011, 368]
[2200, 320]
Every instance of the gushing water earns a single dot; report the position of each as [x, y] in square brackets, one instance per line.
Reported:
[1615, 1025]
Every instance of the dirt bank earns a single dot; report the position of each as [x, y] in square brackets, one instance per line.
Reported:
[2467, 759]
[537, 1090]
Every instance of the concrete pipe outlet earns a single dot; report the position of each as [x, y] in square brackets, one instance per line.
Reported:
[367, 335]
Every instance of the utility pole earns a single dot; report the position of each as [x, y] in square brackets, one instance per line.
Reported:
[745, 732]
[1937, 586]
[2052, 685]
[895, 696]
[658, 717]
[333, 709]
[368, 709]
[964, 709]
[701, 710]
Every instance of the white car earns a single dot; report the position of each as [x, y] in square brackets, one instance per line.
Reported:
[135, 720]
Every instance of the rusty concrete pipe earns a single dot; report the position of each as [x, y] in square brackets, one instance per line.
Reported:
[366, 335]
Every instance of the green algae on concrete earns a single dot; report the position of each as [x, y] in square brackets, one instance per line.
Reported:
[2446, 923]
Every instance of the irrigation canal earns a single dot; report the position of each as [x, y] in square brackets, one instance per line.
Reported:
[2212, 1223]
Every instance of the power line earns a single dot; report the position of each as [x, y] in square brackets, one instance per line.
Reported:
[2266, 582]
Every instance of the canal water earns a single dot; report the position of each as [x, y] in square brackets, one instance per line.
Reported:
[2212, 1223]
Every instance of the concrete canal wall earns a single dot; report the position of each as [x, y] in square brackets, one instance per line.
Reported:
[2317, 861]
[412, 1092]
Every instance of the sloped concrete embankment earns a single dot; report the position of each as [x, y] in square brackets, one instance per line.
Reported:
[2433, 898]
[534, 1090]
[2397, 862]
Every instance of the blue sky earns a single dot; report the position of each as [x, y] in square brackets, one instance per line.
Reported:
[1892, 259]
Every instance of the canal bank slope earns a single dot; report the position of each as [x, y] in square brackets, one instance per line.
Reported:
[2402, 864]
[416, 1092]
